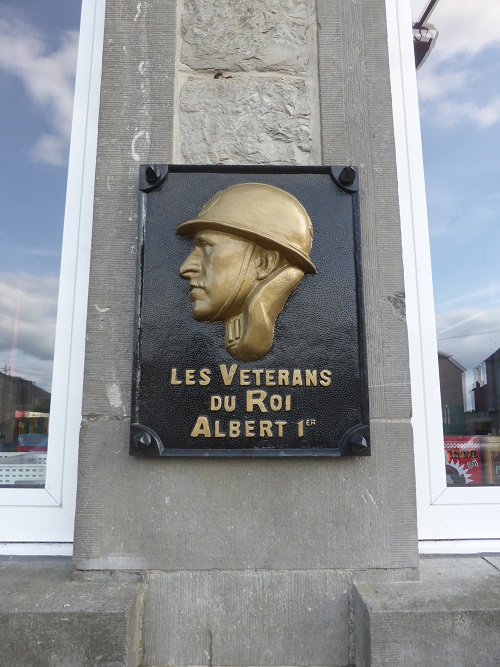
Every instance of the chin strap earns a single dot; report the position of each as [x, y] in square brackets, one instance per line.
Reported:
[249, 336]
[232, 331]
[219, 317]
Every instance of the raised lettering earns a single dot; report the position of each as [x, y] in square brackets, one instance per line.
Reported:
[275, 402]
[202, 427]
[311, 378]
[249, 429]
[215, 402]
[229, 403]
[228, 375]
[234, 429]
[270, 381]
[256, 397]
[173, 377]
[280, 426]
[257, 374]
[325, 378]
[283, 377]
[217, 431]
[205, 377]
[266, 429]
[244, 377]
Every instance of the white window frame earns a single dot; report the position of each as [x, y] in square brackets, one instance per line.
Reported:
[47, 515]
[445, 514]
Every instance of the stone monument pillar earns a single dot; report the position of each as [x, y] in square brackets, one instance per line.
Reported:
[245, 562]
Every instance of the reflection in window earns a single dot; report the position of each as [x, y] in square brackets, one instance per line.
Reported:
[460, 118]
[37, 70]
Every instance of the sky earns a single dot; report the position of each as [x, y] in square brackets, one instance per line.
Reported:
[38, 47]
[459, 96]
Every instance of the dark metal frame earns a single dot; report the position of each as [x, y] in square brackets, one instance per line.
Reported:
[144, 441]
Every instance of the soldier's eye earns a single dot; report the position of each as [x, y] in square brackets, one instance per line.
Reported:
[203, 243]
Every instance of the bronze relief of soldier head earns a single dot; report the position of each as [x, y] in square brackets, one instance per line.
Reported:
[251, 249]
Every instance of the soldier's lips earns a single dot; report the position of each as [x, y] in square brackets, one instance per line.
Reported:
[196, 292]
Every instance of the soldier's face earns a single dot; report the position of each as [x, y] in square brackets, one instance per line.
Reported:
[215, 269]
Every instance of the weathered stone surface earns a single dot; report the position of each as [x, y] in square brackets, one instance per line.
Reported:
[248, 35]
[386, 576]
[357, 128]
[493, 560]
[246, 618]
[198, 514]
[135, 125]
[246, 120]
[450, 618]
[48, 619]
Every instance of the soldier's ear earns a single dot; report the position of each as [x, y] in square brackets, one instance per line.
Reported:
[268, 262]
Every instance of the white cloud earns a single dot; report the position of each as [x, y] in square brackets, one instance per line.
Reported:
[50, 149]
[469, 334]
[483, 115]
[48, 75]
[28, 308]
[433, 84]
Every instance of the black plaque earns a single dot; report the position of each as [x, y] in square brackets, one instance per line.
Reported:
[307, 395]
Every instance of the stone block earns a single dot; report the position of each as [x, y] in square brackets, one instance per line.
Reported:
[47, 619]
[450, 618]
[246, 618]
[263, 35]
[357, 128]
[246, 120]
[197, 514]
[135, 125]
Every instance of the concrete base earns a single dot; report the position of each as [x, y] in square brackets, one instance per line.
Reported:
[49, 618]
[246, 618]
[54, 616]
[450, 618]
[253, 617]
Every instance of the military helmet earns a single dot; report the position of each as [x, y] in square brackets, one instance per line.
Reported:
[261, 213]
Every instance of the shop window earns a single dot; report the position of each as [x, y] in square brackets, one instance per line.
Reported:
[456, 511]
[48, 164]
[460, 123]
[38, 51]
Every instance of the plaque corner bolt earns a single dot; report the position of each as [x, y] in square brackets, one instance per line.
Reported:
[347, 176]
[143, 440]
[152, 174]
[358, 444]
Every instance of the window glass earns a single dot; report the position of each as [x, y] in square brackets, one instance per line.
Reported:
[459, 97]
[38, 49]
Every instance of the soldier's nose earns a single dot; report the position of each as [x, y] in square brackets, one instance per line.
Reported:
[190, 266]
